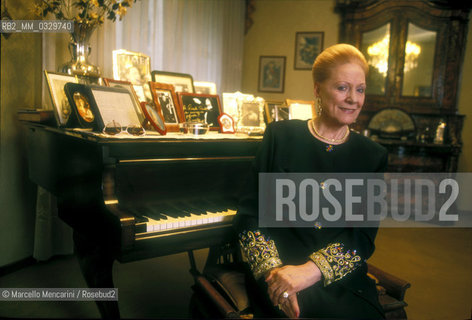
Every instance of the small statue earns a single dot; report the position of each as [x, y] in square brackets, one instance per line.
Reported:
[439, 138]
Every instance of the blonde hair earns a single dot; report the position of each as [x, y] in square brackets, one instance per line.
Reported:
[334, 56]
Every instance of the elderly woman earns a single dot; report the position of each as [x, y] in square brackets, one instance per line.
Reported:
[315, 272]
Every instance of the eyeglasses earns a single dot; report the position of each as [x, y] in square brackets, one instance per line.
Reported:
[113, 128]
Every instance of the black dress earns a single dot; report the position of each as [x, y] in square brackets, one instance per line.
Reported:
[344, 292]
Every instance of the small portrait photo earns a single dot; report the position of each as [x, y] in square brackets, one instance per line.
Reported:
[165, 99]
[56, 82]
[63, 105]
[182, 87]
[212, 112]
[250, 115]
[154, 117]
[182, 82]
[167, 106]
[226, 123]
[83, 107]
[201, 108]
[205, 87]
[283, 113]
[271, 110]
[134, 67]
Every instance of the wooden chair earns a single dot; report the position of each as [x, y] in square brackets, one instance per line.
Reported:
[220, 291]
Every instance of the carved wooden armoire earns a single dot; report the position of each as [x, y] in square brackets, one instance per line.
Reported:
[415, 50]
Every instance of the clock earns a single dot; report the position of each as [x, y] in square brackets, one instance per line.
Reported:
[392, 123]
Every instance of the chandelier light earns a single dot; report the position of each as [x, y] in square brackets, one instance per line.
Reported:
[378, 55]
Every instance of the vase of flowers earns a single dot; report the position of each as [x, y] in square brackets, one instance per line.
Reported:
[87, 15]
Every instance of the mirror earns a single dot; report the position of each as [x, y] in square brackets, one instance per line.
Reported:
[419, 62]
[375, 46]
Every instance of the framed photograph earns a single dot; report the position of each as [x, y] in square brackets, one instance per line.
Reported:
[205, 87]
[300, 109]
[271, 74]
[60, 103]
[231, 103]
[84, 112]
[134, 67]
[116, 104]
[154, 116]
[128, 86]
[166, 101]
[251, 117]
[204, 108]
[308, 45]
[97, 107]
[182, 82]
[226, 123]
[272, 109]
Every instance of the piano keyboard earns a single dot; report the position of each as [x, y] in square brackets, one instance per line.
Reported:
[165, 217]
[168, 222]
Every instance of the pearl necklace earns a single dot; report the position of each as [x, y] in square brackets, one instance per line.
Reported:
[329, 139]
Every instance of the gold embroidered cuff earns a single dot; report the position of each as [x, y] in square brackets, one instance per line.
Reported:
[324, 267]
[260, 253]
[334, 263]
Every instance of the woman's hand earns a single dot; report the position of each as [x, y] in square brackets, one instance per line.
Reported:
[291, 279]
[290, 307]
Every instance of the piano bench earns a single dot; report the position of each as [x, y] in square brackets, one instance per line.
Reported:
[221, 293]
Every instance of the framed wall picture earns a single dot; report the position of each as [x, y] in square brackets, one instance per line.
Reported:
[128, 86]
[308, 45]
[182, 82]
[204, 108]
[300, 109]
[166, 100]
[60, 103]
[271, 74]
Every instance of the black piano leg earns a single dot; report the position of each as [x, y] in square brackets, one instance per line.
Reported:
[96, 263]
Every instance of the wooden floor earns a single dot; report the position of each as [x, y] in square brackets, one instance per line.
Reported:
[437, 263]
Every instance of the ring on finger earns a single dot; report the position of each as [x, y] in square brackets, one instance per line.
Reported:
[285, 294]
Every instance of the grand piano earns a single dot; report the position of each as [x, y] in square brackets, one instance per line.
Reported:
[131, 198]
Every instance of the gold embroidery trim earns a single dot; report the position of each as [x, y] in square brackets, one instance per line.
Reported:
[260, 253]
[324, 267]
[334, 263]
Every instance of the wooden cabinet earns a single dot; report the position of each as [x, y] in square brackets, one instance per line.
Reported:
[415, 50]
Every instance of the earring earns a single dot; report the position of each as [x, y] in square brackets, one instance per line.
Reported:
[319, 105]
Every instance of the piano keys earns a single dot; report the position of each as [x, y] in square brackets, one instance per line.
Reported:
[168, 222]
